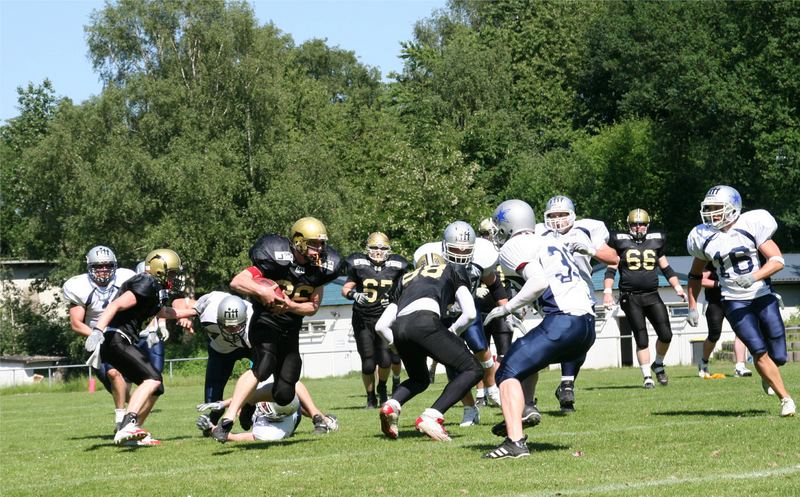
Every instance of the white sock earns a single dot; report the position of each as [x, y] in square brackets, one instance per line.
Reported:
[481, 393]
[739, 366]
[659, 359]
[492, 389]
[118, 415]
[645, 369]
[567, 378]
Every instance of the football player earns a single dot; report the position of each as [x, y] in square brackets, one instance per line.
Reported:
[369, 279]
[587, 239]
[640, 251]
[87, 296]
[270, 421]
[480, 267]
[714, 317]
[567, 330]
[139, 299]
[413, 324]
[741, 248]
[300, 266]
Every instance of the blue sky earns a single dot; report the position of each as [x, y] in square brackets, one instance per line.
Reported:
[44, 38]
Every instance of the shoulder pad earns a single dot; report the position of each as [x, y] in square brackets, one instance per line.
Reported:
[518, 251]
[77, 289]
[656, 235]
[358, 260]
[540, 228]
[273, 248]
[485, 255]
[397, 261]
[598, 233]
[333, 261]
[696, 241]
[758, 223]
[623, 236]
[121, 275]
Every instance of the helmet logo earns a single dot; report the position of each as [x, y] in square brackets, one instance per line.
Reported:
[231, 313]
[501, 214]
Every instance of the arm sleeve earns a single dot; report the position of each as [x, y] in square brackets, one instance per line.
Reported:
[468, 311]
[535, 284]
[384, 324]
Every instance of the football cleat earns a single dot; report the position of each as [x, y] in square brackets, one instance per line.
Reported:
[648, 383]
[324, 423]
[390, 413]
[702, 372]
[220, 432]
[788, 408]
[743, 373]
[372, 401]
[472, 416]
[493, 396]
[530, 418]
[661, 373]
[433, 427]
[205, 425]
[480, 401]
[509, 449]
[129, 432]
[246, 416]
[767, 389]
[147, 441]
[117, 426]
[565, 393]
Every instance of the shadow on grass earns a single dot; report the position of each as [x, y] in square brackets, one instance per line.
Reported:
[533, 446]
[111, 445]
[616, 387]
[715, 413]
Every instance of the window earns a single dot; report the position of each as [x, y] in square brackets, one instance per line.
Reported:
[312, 331]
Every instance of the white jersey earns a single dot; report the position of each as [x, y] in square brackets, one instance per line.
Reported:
[567, 293]
[735, 252]
[589, 232]
[207, 306]
[484, 259]
[82, 291]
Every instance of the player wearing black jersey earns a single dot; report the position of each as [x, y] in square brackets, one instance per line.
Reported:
[640, 251]
[413, 324]
[117, 331]
[300, 265]
[370, 276]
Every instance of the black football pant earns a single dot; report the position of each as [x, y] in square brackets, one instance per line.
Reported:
[420, 335]
[637, 307]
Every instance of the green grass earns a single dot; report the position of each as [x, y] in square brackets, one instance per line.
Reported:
[695, 437]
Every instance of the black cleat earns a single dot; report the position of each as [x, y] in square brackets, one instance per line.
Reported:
[220, 432]
[509, 449]
[372, 401]
[324, 423]
[565, 393]
[246, 416]
[661, 373]
[530, 418]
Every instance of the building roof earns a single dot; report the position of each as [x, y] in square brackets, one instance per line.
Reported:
[333, 293]
[28, 359]
[681, 264]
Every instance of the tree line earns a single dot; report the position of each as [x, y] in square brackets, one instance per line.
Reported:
[212, 129]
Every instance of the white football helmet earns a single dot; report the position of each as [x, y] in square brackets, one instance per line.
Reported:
[232, 316]
[559, 214]
[276, 412]
[458, 243]
[721, 206]
[102, 264]
[511, 217]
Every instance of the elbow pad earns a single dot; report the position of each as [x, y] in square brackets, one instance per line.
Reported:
[611, 272]
[668, 272]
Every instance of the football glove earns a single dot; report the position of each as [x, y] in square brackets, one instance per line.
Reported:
[515, 323]
[745, 280]
[482, 292]
[152, 339]
[162, 328]
[359, 298]
[211, 406]
[582, 249]
[693, 318]
[204, 423]
[94, 340]
[495, 313]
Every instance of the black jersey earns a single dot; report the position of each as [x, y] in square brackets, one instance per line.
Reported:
[713, 295]
[638, 260]
[487, 303]
[374, 280]
[438, 282]
[272, 255]
[150, 297]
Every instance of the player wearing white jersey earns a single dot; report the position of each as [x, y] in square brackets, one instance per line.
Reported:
[567, 330]
[741, 248]
[586, 239]
[87, 295]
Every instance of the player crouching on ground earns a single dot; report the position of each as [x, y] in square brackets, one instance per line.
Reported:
[271, 421]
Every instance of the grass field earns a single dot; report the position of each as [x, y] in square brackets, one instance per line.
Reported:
[695, 437]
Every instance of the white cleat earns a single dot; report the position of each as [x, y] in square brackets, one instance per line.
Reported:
[648, 383]
[129, 432]
[472, 416]
[788, 408]
[433, 427]
[767, 389]
[390, 413]
[493, 396]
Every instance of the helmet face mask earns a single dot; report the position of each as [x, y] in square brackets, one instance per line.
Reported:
[378, 247]
[512, 217]
[458, 243]
[165, 265]
[559, 214]
[308, 237]
[638, 223]
[721, 207]
[232, 317]
[102, 264]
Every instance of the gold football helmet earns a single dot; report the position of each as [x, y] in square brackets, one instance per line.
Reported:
[309, 229]
[638, 222]
[378, 247]
[165, 265]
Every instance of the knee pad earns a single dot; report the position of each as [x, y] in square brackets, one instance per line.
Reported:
[283, 394]
[665, 336]
[368, 366]
[642, 340]
[714, 334]
[160, 390]
[261, 371]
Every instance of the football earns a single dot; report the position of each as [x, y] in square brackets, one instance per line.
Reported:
[268, 282]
